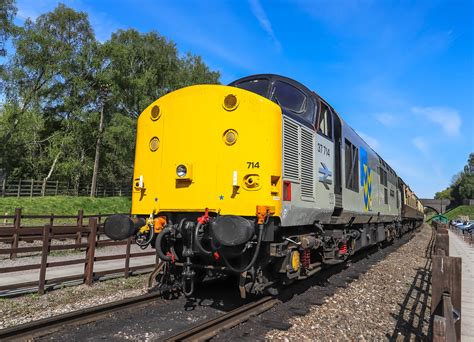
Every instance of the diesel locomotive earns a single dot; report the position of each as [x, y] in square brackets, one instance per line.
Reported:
[261, 178]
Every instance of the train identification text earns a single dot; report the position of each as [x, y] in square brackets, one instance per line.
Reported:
[253, 165]
[323, 149]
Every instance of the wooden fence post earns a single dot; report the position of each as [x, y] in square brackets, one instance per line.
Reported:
[56, 190]
[80, 221]
[127, 257]
[439, 329]
[44, 258]
[19, 188]
[442, 244]
[99, 221]
[16, 234]
[31, 188]
[4, 186]
[90, 252]
[446, 275]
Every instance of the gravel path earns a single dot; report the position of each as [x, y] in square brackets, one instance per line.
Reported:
[382, 303]
[14, 311]
[391, 301]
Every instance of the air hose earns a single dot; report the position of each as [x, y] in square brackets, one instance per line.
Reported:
[198, 242]
[158, 246]
[254, 258]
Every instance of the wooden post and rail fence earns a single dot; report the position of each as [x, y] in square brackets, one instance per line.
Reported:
[33, 188]
[446, 289]
[81, 239]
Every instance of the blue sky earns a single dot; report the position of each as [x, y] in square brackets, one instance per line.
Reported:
[401, 73]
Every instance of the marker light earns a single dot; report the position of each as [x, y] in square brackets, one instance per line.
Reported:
[154, 144]
[181, 171]
[155, 113]
[230, 137]
[230, 102]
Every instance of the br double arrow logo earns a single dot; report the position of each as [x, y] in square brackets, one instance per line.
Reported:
[325, 174]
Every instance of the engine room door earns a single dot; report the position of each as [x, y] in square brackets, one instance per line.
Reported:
[337, 162]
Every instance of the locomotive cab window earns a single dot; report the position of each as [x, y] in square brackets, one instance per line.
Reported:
[352, 166]
[292, 99]
[258, 86]
[325, 122]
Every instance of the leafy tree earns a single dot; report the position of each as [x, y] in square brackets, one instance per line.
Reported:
[70, 103]
[7, 13]
[44, 76]
[146, 66]
[462, 184]
[445, 194]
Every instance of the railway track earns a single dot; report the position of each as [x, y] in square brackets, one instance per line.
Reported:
[52, 324]
[208, 329]
[200, 332]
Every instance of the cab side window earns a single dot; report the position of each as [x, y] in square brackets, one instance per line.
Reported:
[325, 122]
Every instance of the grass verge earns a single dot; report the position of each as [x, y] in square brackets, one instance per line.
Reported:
[462, 210]
[64, 205]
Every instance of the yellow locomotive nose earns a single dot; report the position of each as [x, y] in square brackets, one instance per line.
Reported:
[208, 146]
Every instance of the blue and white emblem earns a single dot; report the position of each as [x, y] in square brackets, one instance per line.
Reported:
[326, 173]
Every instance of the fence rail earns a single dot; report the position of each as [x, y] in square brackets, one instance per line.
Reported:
[33, 188]
[446, 289]
[85, 239]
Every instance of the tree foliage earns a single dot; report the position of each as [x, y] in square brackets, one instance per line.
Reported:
[7, 13]
[462, 186]
[58, 81]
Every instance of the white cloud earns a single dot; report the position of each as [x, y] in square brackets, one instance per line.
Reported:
[265, 23]
[421, 144]
[374, 143]
[447, 118]
[386, 119]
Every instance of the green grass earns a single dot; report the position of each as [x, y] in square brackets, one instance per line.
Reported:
[462, 210]
[64, 205]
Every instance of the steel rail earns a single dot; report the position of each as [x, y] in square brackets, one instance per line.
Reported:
[51, 324]
[208, 329]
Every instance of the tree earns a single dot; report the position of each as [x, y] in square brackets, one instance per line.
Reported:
[7, 13]
[462, 184]
[70, 103]
[445, 194]
[146, 66]
[47, 76]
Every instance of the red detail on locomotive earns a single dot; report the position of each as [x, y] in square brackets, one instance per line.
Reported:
[216, 256]
[204, 218]
[343, 248]
[306, 258]
[171, 255]
[287, 191]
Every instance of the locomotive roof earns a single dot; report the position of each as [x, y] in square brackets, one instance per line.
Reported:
[314, 96]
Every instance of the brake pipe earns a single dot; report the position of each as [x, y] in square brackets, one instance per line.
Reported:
[198, 242]
[254, 258]
[159, 239]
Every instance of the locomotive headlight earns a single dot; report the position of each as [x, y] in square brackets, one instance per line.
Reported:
[181, 171]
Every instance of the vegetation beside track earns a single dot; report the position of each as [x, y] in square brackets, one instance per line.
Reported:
[64, 205]
[462, 210]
